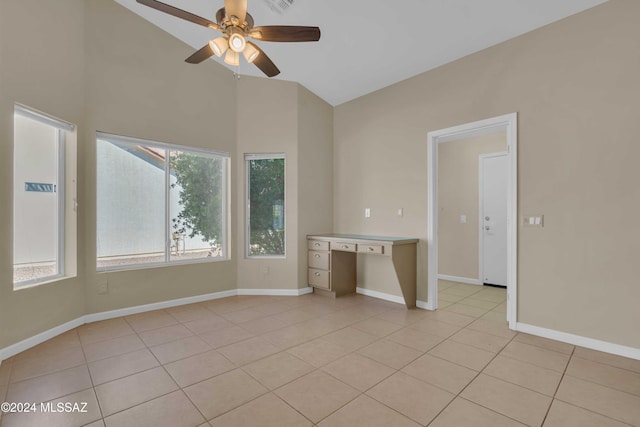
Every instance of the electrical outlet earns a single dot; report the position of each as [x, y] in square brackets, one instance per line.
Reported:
[103, 288]
[265, 270]
[367, 212]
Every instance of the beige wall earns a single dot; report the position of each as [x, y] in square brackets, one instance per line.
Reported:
[458, 195]
[315, 173]
[575, 86]
[101, 67]
[106, 69]
[268, 123]
[139, 85]
[42, 66]
[283, 117]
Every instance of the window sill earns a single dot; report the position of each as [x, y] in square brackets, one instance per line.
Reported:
[131, 267]
[45, 281]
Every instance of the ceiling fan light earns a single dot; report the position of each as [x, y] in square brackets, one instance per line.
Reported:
[232, 58]
[237, 43]
[219, 46]
[250, 53]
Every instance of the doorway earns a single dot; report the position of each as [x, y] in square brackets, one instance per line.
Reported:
[506, 124]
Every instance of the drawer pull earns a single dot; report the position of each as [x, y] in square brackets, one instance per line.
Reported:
[316, 244]
[316, 274]
[317, 255]
[370, 249]
[345, 246]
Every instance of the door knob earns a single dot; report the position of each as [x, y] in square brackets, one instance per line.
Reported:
[486, 218]
[487, 228]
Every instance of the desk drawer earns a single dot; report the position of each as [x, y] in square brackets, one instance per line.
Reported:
[317, 245]
[319, 278]
[318, 260]
[371, 249]
[347, 247]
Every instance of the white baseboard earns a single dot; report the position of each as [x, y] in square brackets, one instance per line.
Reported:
[105, 315]
[466, 280]
[276, 292]
[425, 305]
[593, 344]
[26, 344]
[393, 298]
[380, 295]
[33, 341]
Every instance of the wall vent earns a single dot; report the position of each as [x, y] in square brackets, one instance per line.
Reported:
[279, 6]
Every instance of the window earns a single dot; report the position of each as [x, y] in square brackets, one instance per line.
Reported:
[158, 203]
[265, 205]
[38, 197]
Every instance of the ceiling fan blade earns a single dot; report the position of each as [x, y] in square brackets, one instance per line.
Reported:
[179, 13]
[285, 33]
[236, 8]
[200, 55]
[263, 62]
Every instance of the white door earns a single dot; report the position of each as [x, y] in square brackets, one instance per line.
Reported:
[493, 219]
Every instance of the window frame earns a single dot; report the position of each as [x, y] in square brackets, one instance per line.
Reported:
[61, 127]
[262, 156]
[225, 156]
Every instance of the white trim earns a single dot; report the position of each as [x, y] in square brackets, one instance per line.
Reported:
[481, 215]
[593, 344]
[30, 342]
[128, 311]
[247, 195]
[112, 139]
[130, 140]
[41, 117]
[508, 123]
[466, 280]
[425, 305]
[26, 344]
[263, 156]
[380, 295]
[277, 292]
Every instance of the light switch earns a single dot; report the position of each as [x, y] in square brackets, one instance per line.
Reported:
[400, 212]
[533, 221]
[367, 212]
[463, 219]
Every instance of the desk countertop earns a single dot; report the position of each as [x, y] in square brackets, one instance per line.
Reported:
[348, 238]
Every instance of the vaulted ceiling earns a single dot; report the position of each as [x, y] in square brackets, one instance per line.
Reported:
[369, 44]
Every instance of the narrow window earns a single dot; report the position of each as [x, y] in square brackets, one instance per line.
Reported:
[38, 197]
[158, 203]
[265, 205]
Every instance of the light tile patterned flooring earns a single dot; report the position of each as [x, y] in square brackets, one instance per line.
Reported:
[301, 361]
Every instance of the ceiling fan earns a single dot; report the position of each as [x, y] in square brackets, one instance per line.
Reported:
[237, 26]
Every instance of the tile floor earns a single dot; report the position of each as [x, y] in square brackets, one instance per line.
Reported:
[289, 361]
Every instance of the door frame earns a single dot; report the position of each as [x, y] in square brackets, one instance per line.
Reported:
[481, 209]
[509, 124]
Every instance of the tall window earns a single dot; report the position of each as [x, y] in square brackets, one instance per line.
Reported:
[265, 205]
[38, 197]
[159, 203]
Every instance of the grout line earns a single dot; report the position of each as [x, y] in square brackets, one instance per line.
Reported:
[469, 383]
[342, 309]
[553, 398]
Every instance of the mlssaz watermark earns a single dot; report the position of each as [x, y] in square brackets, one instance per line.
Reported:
[49, 407]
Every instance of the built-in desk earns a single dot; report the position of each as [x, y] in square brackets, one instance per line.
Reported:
[332, 260]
